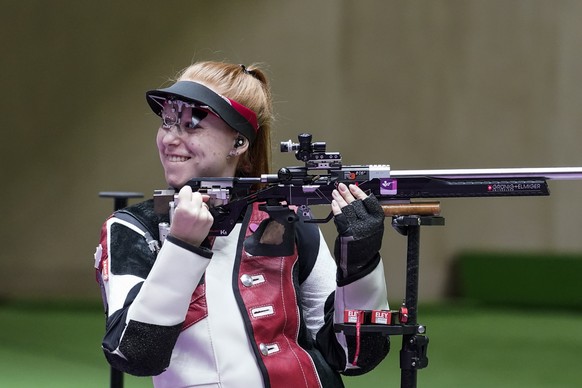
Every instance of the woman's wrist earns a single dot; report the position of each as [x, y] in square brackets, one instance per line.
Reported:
[202, 251]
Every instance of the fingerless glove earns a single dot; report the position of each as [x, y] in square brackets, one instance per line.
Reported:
[360, 229]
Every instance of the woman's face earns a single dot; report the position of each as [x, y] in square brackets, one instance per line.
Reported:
[192, 149]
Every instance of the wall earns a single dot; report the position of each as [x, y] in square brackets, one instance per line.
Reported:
[415, 84]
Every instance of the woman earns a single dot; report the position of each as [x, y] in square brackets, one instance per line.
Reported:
[255, 308]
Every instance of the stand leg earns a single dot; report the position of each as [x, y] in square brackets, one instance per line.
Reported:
[116, 378]
[412, 265]
[407, 374]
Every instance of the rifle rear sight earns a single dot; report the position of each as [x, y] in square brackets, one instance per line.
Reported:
[312, 153]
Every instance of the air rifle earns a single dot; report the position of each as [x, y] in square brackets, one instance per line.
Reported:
[403, 196]
[397, 191]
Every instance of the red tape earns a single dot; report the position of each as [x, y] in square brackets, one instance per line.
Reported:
[357, 317]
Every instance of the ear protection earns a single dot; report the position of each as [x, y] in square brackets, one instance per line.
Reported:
[239, 142]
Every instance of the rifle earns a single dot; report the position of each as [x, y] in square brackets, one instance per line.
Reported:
[397, 191]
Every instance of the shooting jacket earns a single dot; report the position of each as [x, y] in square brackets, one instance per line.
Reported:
[244, 313]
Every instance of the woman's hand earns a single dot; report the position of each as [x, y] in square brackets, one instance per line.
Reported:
[192, 219]
[359, 220]
[342, 196]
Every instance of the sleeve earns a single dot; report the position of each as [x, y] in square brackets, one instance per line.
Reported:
[146, 294]
[324, 302]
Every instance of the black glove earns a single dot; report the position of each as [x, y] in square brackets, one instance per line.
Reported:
[360, 229]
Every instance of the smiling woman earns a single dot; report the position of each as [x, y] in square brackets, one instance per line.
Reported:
[193, 143]
[192, 106]
[256, 307]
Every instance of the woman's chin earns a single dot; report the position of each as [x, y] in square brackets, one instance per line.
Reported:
[176, 182]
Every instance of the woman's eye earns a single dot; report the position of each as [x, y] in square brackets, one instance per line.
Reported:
[168, 121]
[194, 124]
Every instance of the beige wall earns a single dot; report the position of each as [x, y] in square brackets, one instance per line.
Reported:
[414, 84]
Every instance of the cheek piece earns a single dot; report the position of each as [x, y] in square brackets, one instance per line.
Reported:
[237, 116]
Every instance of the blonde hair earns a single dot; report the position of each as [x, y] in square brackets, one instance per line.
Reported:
[250, 87]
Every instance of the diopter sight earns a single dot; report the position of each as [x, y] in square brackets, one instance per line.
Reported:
[312, 153]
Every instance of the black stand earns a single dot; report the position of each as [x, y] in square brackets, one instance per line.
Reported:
[413, 354]
[119, 202]
[414, 346]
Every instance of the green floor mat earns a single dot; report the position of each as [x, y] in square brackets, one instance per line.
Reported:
[59, 346]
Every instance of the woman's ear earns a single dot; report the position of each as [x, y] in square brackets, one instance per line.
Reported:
[241, 149]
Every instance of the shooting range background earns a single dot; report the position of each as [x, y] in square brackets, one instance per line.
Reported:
[415, 84]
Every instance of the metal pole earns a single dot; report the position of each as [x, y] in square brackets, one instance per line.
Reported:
[408, 375]
[554, 173]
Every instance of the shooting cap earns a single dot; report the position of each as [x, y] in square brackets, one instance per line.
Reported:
[237, 116]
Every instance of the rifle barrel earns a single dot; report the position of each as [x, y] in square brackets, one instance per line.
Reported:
[555, 173]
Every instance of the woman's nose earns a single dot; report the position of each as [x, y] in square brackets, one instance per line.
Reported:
[173, 134]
